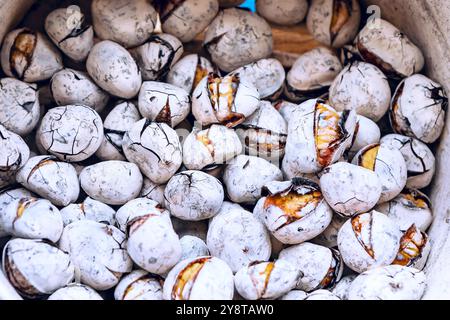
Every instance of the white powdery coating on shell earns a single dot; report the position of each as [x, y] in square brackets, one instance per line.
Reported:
[361, 87]
[129, 23]
[367, 133]
[245, 176]
[193, 247]
[114, 70]
[19, 106]
[75, 291]
[328, 238]
[112, 182]
[389, 283]
[155, 148]
[420, 160]
[214, 281]
[193, 195]
[266, 280]
[322, 295]
[163, 102]
[97, 251]
[288, 12]
[70, 87]
[51, 179]
[70, 35]
[118, 121]
[14, 153]
[89, 209]
[153, 191]
[72, 133]
[294, 295]
[343, 287]
[238, 238]
[350, 189]
[139, 285]
[37, 264]
[189, 18]
[6, 197]
[382, 44]
[314, 263]
[237, 37]
[32, 218]
[369, 240]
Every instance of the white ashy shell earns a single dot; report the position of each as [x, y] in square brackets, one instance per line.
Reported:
[97, 251]
[238, 237]
[189, 71]
[350, 189]
[127, 22]
[139, 285]
[29, 56]
[367, 132]
[152, 242]
[420, 161]
[14, 151]
[190, 228]
[212, 146]
[385, 46]
[317, 137]
[51, 179]
[264, 133]
[408, 208]
[201, 278]
[193, 247]
[361, 87]
[70, 87]
[137, 208]
[414, 249]
[112, 182]
[19, 106]
[266, 75]
[35, 267]
[75, 291]
[369, 240]
[6, 197]
[89, 209]
[343, 287]
[286, 109]
[388, 283]
[328, 238]
[157, 55]
[228, 100]
[295, 212]
[320, 267]
[287, 12]
[153, 191]
[72, 133]
[418, 108]
[334, 23]
[118, 121]
[32, 218]
[237, 37]
[266, 280]
[312, 74]
[186, 19]
[114, 69]
[67, 29]
[193, 195]
[245, 176]
[163, 102]
[321, 295]
[389, 165]
[294, 295]
[155, 148]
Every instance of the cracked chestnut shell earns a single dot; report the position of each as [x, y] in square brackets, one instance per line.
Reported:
[318, 136]
[8, 195]
[139, 285]
[295, 211]
[414, 249]
[369, 240]
[70, 33]
[237, 37]
[418, 108]
[334, 22]
[19, 106]
[201, 278]
[29, 56]
[89, 209]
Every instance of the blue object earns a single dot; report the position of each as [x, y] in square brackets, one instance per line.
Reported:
[250, 4]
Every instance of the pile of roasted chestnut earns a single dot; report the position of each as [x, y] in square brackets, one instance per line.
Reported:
[132, 169]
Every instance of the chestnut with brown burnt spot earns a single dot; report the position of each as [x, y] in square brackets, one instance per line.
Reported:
[186, 279]
[357, 226]
[22, 51]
